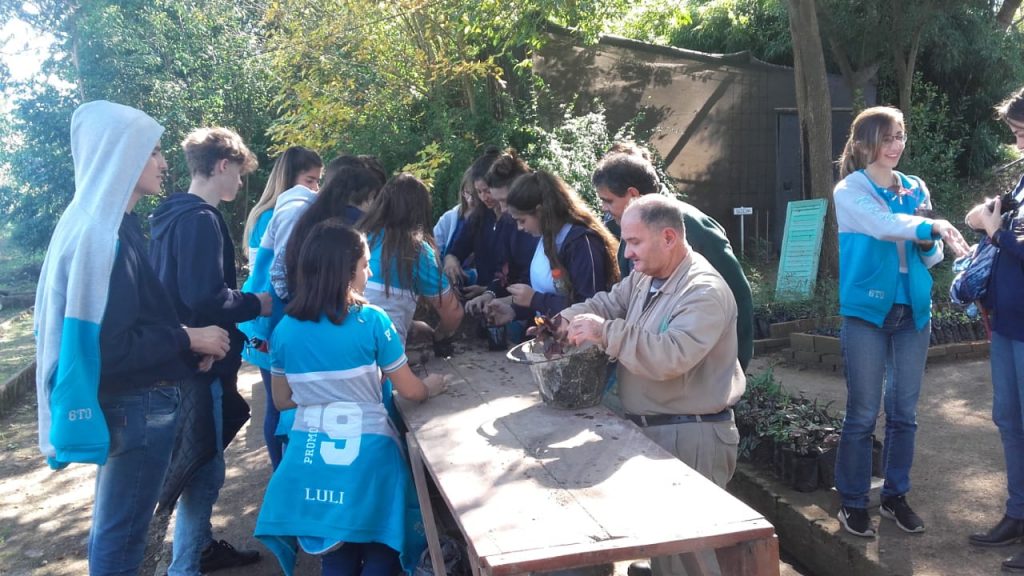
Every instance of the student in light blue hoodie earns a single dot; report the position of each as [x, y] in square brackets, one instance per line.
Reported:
[887, 243]
[297, 166]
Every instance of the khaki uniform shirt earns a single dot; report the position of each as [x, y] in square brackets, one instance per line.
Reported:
[677, 351]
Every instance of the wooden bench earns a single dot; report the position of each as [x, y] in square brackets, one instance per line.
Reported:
[533, 488]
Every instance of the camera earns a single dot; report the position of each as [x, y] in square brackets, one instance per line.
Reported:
[1008, 203]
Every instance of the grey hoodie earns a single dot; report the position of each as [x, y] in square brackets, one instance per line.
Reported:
[110, 144]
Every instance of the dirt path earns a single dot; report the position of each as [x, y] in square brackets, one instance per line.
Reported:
[45, 514]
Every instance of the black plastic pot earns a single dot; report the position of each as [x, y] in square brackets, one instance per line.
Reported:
[827, 468]
[805, 473]
[764, 453]
[762, 327]
[782, 464]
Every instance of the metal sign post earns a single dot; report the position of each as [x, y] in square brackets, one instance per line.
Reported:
[742, 212]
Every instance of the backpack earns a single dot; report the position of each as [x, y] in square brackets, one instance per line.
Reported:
[972, 273]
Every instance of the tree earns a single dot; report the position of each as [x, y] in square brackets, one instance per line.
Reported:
[724, 26]
[857, 54]
[402, 78]
[1007, 11]
[198, 63]
[815, 111]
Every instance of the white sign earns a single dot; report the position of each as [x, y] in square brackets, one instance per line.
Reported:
[742, 211]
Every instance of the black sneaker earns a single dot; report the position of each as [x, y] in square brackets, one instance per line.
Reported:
[220, 555]
[896, 508]
[856, 521]
[639, 568]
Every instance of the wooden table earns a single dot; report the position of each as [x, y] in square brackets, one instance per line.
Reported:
[534, 488]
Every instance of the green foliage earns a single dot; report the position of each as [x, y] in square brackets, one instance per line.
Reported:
[432, 159]
[186, 63]
[396, 79]
[934, 142]
[976, 69]
[652, 21]
[572, 148]
[725, 26]
[35, 147]
[768, 411]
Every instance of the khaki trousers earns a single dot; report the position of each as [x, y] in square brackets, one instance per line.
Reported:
[710, 449]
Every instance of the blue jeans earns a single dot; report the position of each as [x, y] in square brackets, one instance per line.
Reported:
[270, 420]
[142, 425]
[192, 529]
[891, 358]
[355, 559]
[1007, 358]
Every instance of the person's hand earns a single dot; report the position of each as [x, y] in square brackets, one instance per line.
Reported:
[522, 294]
[973, 218]
[419, 331]
[950, 236]
[453, 270]
[472, 291]
[476, 305]
[436, 384]
[205, 363]
[992, 218]
[499, 313]
[208, 340]
[560, 328]
[266, 303]
[586, 328]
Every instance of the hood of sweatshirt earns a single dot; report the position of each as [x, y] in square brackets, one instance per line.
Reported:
[110, 145]
[167, 215]
[295, 195]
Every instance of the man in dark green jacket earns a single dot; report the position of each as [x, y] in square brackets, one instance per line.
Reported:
[624, 174]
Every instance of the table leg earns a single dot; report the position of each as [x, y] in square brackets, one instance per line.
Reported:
[474, 560]
[752, 558]
[429, 524]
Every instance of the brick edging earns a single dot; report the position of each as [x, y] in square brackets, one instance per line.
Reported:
[805, 529]
[12, 390]
[825, 352]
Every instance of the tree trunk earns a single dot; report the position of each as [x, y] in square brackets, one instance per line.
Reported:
[1004, 19]
[905, 60]
[814, 107]
[856, 80]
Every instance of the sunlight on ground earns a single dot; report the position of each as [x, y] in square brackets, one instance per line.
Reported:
[17, 344]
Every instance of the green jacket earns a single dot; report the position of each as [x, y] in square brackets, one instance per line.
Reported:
[707, 237]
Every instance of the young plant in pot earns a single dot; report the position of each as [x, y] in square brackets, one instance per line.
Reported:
[757, 415]
[545, 330]
[811, 432]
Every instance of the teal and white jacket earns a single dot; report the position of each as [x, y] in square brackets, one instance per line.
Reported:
[267, 269]
[878, 234]
[110, 145]
[344, 476]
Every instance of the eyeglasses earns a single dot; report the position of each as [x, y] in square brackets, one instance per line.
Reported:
[890, 140]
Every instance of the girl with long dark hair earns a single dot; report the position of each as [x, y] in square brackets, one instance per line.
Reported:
[327, 356]
[576, 255]
[404, 259]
